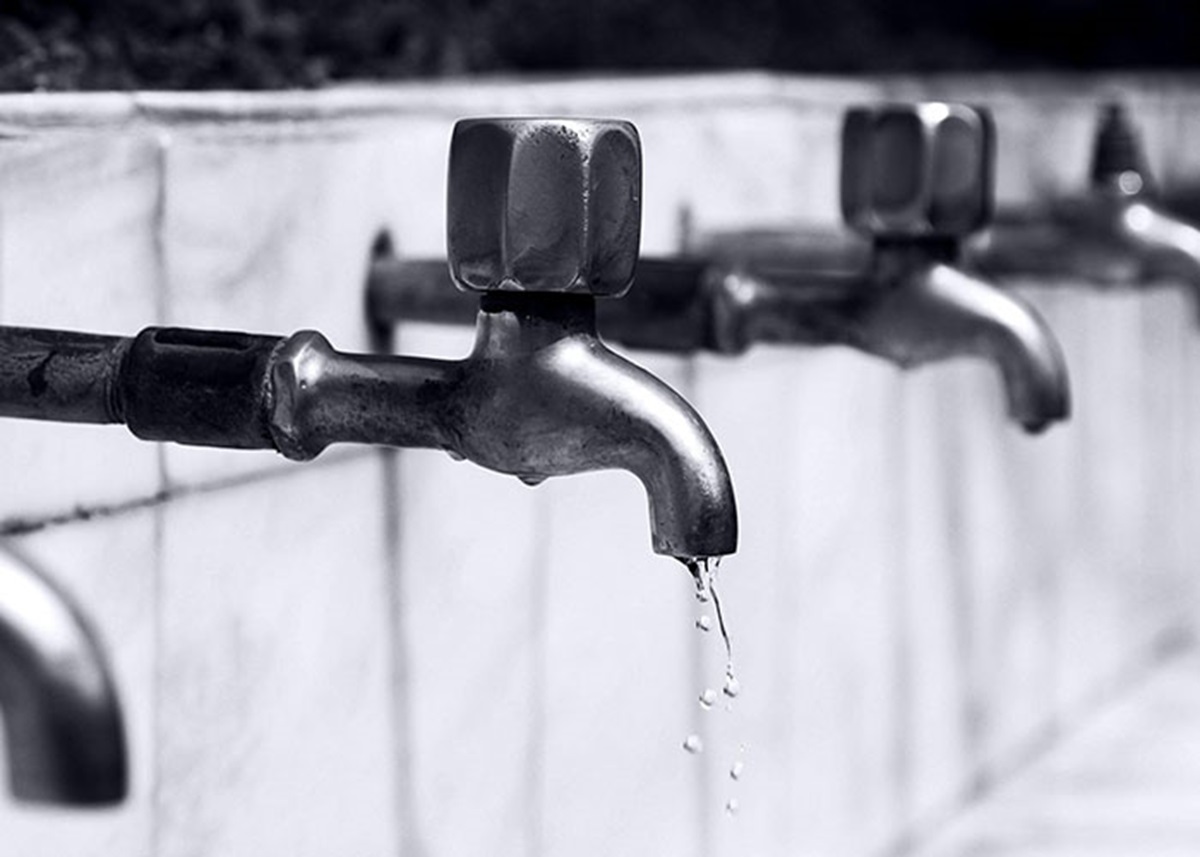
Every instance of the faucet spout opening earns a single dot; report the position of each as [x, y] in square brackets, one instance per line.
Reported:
[63, 727]
[550, 399]
[670, 450]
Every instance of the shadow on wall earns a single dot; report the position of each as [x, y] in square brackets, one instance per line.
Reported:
[261, 44]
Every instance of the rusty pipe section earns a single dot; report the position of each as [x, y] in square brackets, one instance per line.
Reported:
[666, 311]
[63, 727]
[60, 375]
[539, 396]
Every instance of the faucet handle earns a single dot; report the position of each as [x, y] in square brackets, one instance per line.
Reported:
[544, 205]
[920, 170]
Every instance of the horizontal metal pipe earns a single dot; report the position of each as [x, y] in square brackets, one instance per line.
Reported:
[669, 314]
[60, 375]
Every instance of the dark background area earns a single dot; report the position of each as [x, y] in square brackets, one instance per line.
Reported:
[256, 44]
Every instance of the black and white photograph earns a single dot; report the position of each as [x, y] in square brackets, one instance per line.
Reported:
[611, 428]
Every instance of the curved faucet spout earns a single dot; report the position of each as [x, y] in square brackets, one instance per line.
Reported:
[1106, 237]
[540, 395]
[62, 721]
[939, 312]
[1169, 246]
[555, 401]
[907, 309]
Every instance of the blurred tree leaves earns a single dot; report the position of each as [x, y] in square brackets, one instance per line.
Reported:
[254, 44]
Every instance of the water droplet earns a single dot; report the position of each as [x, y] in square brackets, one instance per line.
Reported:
[531, 479]
[732, 686]
[732, 806]
[708, 698]
[455, 455]
[702, 595]
[735, 773]
[704, 623]
[693, 744]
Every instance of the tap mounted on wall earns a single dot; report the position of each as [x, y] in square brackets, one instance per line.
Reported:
[544, 218]
[916, 180]
[63, 728]
[1114, 233]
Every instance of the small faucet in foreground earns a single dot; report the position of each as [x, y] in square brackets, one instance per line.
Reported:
[1115, 233]
[64, 732]
[544, 217]
[916, 180]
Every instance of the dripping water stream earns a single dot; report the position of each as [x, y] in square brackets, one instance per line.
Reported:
[703, 571]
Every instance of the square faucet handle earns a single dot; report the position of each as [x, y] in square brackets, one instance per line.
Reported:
[923, 170]
[544, 205]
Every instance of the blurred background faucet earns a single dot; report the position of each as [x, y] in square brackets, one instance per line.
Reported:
[64, 734]
[544, 218]
[1115, 233]
[916, 180]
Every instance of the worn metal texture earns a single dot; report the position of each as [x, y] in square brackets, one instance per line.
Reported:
[206, 388]
[665, 310]
[544, 205]
[539, 396]
[60, 375]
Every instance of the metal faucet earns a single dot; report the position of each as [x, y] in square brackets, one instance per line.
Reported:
[916, 180]
[1116, 233]
[62, 722]
[544, 216]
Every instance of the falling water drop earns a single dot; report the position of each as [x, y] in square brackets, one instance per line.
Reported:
[739, 767]
[732, 686]
[704, 623]
[708, 698]
[732, 806]
[693, 744]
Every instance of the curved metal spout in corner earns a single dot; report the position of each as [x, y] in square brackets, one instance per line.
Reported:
[540, 395]
[62, 722]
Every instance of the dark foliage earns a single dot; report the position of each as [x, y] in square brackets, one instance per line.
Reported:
[255, 44]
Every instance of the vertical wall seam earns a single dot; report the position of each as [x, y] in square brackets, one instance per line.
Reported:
[538, 678]
[399, 678]
[900, 577]
[404, 809]
[158, 582]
